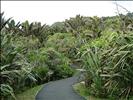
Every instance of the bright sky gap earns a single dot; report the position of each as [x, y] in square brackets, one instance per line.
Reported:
[52, 11]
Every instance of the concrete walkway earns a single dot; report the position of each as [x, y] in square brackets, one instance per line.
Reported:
[59, 90]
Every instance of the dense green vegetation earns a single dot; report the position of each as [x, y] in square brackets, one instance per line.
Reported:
[33, 54]
[29, 94]
[81, 89]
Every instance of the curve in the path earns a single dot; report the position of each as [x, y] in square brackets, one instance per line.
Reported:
[59, 90]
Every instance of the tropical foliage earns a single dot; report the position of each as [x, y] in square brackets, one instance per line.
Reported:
[108, 61]
[33, 54]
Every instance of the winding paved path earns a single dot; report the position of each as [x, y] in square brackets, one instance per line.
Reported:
[59, 90]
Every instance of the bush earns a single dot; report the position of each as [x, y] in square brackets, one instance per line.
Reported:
[110, 68]
[64, 43]
[12, 64]
[58, 63]
[40, 73]
[63, 71]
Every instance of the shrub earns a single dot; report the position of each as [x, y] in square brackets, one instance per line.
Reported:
[13, 63]
[40, 73]
[110, 69]
[58, 63]
[64, 43]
